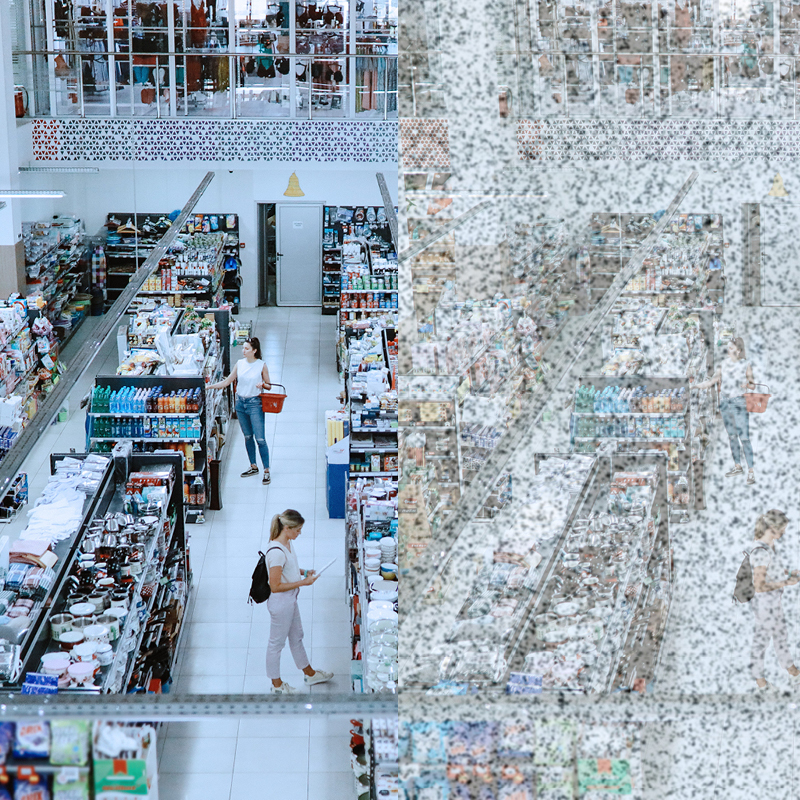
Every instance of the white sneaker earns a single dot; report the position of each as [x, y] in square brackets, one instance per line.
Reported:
[768, 689]
[320, 676]
[284, 688]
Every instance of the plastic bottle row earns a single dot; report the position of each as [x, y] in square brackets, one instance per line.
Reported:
[634, 400]
[130, 400]
[624, 427]
[369, 300]
[194, 492]
[147, 427]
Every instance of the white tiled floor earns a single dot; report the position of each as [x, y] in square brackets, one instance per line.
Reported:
[225, 646]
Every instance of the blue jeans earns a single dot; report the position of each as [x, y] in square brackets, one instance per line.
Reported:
[737, 422]
[251, 420]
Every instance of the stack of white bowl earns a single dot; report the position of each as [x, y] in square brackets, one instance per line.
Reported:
[388, 550]
[372, 558]
[382, 653]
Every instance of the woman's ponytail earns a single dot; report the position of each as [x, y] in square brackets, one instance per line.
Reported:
[288, 519]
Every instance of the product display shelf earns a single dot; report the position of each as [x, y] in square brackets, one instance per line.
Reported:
[31, 646]
[464, 643]
[359, 525]
[199, 444]
[430, 445]
[382, 745]
[116, 676]
[126, 250]
[331, 265]
[53, 293]
[686, 264]
[683, 480]
[621, 657]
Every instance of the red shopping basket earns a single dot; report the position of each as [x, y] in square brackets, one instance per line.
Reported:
[272, 402]
[756, 402]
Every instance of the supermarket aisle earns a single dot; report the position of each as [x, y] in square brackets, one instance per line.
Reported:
[225, 646]
[707, 649]
[225, 649]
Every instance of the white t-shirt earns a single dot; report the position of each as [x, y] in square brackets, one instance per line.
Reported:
[280, 556]
[770, 558]
[248, 376]
[734, 375]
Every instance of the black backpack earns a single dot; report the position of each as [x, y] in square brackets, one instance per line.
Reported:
[259, 586]
[745, 588]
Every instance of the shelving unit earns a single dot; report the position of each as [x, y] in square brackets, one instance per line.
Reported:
[126, 251]
[194, 450]
[686, 265]
[57, 278]
[165, 562]
[357, 240]
[622, 432]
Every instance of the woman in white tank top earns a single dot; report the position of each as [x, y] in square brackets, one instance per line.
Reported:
[251, 376]
[735, 376]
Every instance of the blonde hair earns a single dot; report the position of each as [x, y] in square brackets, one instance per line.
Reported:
[287, 519]
[772, 520]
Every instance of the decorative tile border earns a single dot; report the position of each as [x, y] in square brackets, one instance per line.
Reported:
[657, 140]
[214, 140]
[425, 143]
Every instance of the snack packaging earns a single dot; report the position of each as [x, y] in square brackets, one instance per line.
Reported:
[69, 742]
[32, 740]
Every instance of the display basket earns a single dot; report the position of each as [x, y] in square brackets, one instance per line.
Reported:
[756, 402]
[272, 402]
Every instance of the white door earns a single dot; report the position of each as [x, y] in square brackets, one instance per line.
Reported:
[779, 254]
[299, 255]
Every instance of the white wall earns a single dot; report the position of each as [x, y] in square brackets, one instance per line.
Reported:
[156, 188]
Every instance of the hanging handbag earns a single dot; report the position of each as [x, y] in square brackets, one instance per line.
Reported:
[250, 66]
[337, 75]
[282, 65]
[62, 68]
[270, 71]
[262, 70]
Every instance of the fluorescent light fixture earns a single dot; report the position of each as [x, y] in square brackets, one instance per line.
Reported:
[25, 194]
[60, 169]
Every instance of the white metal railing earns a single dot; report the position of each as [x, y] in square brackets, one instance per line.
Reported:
[710, 85]
[202, 84]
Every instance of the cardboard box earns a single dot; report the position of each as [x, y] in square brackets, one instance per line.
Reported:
[120, 779]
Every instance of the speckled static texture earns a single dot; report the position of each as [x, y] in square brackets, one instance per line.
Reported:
[705, 732]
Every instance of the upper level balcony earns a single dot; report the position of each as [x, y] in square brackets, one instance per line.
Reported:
[220, 59]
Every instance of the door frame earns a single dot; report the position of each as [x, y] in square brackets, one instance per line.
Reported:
[279, 247]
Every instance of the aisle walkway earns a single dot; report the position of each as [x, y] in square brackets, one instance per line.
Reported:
[299, 348]
[225, 647]
[225, 652]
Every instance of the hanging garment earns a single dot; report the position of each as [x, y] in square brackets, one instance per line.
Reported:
[223, 75]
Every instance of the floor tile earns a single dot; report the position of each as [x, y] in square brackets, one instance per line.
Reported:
[332, 785]
[279, 754]
[283, 785]
[209, 684]
[185, 786]
[205, 729]
[199, 755]
[268, 728]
